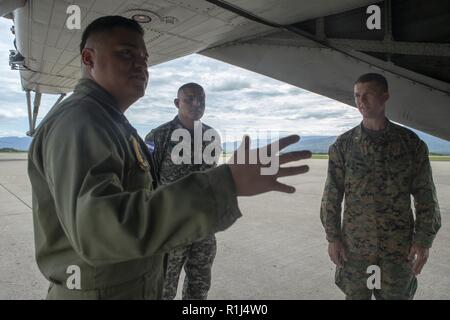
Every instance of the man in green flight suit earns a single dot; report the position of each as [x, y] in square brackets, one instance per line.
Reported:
[377, 166]
[101, 230]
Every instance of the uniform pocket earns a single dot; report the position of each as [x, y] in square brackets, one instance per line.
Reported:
[58, 292]
[400, 168]
[153, 288]
[131, 290]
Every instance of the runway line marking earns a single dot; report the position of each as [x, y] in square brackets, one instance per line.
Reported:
[18, 198]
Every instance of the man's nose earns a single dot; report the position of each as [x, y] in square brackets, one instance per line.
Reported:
[141, 60]
[141, 67]
[197, 102]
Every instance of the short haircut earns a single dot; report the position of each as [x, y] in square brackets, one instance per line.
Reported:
[374, 77]
[105, 24]
[192, 85]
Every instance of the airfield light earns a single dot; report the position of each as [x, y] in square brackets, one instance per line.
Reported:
[141, 18]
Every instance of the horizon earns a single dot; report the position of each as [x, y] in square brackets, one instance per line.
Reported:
[435, 144]
[238, 102]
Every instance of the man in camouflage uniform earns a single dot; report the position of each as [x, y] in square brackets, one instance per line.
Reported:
[198, 256]
[377, 166]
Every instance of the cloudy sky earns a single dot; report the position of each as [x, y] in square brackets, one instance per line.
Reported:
[237, 101]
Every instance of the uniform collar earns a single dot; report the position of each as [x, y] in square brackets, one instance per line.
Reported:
[92, 88]
[176, 123]
[362, 136]
[106, 100]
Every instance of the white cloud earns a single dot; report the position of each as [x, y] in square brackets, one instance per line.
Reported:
[12, 133]
[13, 113]
[231, 85]
[238, 101]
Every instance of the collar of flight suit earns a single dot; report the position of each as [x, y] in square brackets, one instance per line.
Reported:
[93, 89]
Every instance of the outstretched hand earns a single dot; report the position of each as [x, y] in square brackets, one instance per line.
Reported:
[249, 176]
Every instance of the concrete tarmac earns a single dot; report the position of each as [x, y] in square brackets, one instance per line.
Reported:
[277, 250]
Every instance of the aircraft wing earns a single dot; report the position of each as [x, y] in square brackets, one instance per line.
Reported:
[321, 46]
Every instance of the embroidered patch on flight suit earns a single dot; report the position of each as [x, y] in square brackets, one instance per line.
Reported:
[142, 161]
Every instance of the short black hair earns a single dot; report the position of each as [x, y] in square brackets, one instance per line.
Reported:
[104, 24]
[189, 85]
[374, 77]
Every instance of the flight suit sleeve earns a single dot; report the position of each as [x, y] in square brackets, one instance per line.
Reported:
[154, 137]
[428, 217]
[107, 224]
[330, 211]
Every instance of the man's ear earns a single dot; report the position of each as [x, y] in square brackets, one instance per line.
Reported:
[386, 96]
[87, 57]
[176, 102]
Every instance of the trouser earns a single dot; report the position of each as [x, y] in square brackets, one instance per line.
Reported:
[197, 259]
[386, 280]
[146, 287]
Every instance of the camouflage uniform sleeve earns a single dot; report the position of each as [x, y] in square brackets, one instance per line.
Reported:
[428, 217]
[330, 211]
[153, 136]
[219, 147]
[150, 136]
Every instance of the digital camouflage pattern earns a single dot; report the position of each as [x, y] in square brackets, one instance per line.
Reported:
[161, 146]
[198, 256]
[197, 259]
[377, 180]
[397, 282]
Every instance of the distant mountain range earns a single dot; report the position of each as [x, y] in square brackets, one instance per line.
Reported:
[320, 144]
[17, 143]
[317, 144]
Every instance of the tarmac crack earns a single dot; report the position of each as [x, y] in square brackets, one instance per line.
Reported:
[13, 194]
[13, 214]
